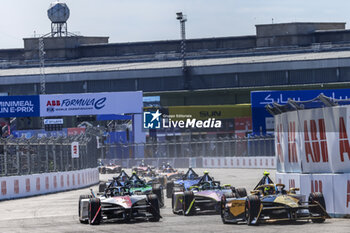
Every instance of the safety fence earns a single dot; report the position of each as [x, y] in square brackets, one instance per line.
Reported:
[22, 156]
[200, 162]
[217, 147]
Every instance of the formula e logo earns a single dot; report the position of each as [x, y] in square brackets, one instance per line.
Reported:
[151, 120]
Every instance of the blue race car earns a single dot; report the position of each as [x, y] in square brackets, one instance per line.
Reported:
[189, 179]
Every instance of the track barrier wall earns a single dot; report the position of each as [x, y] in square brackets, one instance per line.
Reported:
[313, 153]
[30, 185]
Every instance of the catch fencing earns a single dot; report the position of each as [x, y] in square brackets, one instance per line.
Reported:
[217, 147]
[22, 156]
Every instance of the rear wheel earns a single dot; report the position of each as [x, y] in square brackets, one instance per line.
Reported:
[188, 203]
[101, 187]
[158, 191]
[317, 198]
[95, 212]
[252, 207]
[169, 189]
[153, 201]
[80, 198]
[241, 192]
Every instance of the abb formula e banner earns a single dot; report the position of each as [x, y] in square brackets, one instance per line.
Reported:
[71, 104]
[91, 103]
[313, 140]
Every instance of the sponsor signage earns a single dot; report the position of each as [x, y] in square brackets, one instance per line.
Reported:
[263, 120]
[313, 140]
[53, 121]
[75, 149]
[19, 106]
[71, 104]
[208, 111]
[90, 103]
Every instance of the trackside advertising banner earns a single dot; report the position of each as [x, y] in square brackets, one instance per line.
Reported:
[19, 106]
[90, 103]
[288, 142]
[313, 140]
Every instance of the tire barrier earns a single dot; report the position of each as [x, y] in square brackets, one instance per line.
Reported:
[36, 184]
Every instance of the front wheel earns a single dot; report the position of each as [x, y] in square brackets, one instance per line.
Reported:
[223, 209]
[188, 203]
[318, 199]
[154, 208]
[79, 209]
[252, 207]
[95, 212]
[169, 189]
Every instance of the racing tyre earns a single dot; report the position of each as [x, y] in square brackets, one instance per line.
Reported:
[103, 170]
[252, 207]
[95, 212]
[169, 189]
[317, 210]
[241, 192]
[162, 180]
[173, 203]
[158, 190]
[188, 208]
[223, 209]
[80, 198]
[178, 189]
[154, 210]
[101, 187]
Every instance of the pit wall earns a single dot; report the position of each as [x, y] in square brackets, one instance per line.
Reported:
[203, 162]
[335, 188]
[36, 184]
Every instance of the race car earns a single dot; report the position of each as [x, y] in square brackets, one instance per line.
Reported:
[184, 183]
[141, 168]
[139, 186]
[170, 173]
[117, 203]
[122, 178]
[109, 169]
[204, 197]
[151, 177]
[271, 203]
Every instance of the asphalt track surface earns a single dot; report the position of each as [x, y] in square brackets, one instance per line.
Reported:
[59, 213]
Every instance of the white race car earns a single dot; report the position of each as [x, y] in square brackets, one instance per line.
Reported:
[118, 203]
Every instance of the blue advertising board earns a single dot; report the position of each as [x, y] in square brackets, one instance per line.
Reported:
[19, 106]
[263, 121]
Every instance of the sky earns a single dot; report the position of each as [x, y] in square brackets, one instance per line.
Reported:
[150, 20]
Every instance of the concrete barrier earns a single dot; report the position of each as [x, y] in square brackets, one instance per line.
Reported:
[335, 188]
[36, 184]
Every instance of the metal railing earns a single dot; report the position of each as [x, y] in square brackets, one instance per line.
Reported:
[224, 147]
[21, 156]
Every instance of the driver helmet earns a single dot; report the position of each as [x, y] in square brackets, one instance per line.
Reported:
[268, 190]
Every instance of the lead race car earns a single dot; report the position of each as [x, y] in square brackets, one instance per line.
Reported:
[269, 202]
[204, 197]
[118, 203]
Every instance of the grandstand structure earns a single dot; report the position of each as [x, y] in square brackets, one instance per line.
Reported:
[220, 71]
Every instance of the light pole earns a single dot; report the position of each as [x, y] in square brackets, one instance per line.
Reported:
[182, 18]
